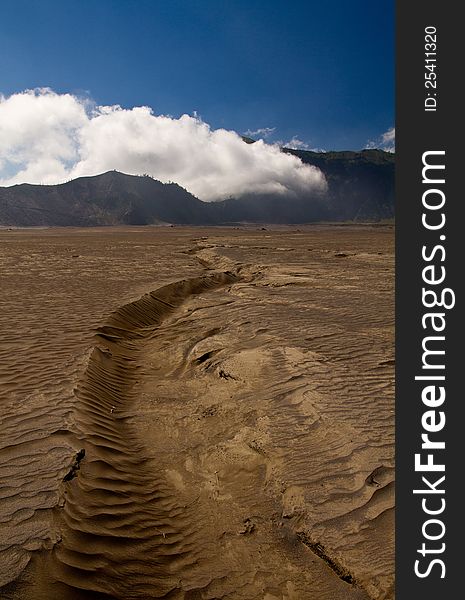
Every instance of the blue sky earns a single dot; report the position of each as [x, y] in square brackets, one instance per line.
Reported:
[322, 72]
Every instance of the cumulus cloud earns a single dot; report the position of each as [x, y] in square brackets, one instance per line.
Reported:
[386, 141]
[47, 137]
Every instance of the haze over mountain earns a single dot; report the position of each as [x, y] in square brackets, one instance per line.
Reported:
[360, 186]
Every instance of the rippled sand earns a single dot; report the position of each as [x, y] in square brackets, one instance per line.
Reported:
[197, 413]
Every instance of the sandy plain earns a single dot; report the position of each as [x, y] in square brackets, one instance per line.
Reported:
[197, 413]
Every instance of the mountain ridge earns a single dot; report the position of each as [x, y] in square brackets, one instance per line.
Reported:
[360, 187]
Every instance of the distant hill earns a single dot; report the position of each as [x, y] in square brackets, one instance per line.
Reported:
[112, 198]
[360, 184]
[360, 187]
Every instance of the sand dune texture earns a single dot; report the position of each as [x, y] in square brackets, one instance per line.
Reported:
[197, 414]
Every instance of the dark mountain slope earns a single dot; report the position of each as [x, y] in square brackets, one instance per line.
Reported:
[112, 198]
[360, 184]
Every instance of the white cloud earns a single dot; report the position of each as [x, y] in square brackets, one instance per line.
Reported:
[386, 141]
[293, 144]
[389, 137]
[48, 138]
[296, 144]
[262, 132]
[38, 132]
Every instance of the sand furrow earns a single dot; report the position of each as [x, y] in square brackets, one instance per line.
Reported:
[114, 488]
